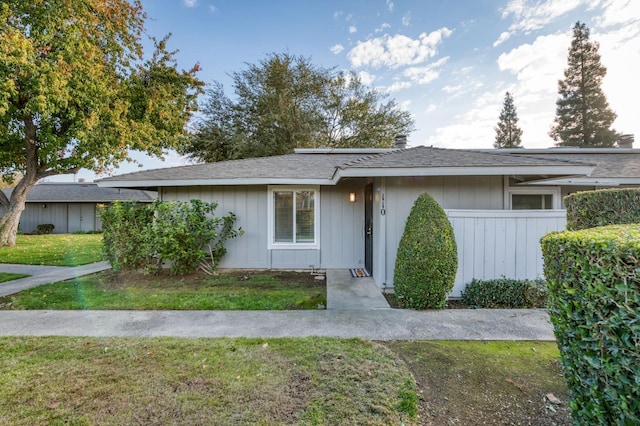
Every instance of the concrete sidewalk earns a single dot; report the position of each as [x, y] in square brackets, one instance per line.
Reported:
[44, 275]
[381, 324]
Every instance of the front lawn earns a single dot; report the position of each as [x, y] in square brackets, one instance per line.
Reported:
[64, 380]
[59, 380]
[228, 291]
[5, 276]
[54, 250]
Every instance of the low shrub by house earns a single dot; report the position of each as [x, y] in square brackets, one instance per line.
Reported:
[45, 228]
[589, 209]
[505, 293]
[593, 276]
[427, 258]
[188, 236]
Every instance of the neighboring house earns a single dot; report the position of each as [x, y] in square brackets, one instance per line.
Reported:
[71, 207]
[346, 208]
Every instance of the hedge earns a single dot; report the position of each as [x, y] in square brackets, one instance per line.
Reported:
[593, 277]
[603, 207]
[505, 293]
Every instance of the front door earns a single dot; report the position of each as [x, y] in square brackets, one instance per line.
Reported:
[368, 228]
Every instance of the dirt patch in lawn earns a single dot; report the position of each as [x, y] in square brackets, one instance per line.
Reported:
[487, 383]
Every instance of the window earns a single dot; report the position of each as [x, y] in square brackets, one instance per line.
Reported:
[531, 201]
[293, 217]
[534, 198]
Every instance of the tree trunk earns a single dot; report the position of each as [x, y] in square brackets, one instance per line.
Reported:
[11, 219]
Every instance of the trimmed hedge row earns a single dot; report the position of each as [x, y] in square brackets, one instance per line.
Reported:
[603, 207]
[593, 278]
[505, 293]
[427, 260]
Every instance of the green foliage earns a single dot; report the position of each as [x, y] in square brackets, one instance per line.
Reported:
[427, 259]
[593, 277]
[603, 207]
[583, 116]
[286, 102]
[505, 293]
[146, 236]
[76, 91]
[508, 133]
[45, 228]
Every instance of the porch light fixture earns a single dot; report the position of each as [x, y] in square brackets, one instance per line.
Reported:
[352, 197]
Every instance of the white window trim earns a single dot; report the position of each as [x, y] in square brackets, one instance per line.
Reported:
[554, 191]
[272, 245]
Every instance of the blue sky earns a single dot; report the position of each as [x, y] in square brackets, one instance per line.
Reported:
[447, 62]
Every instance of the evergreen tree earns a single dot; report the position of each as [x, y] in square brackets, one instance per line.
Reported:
[583, 117]
[508, 134]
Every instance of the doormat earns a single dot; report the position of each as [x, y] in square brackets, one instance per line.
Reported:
[359, 272]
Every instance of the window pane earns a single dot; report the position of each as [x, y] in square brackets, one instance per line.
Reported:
[531, 201]
[304, 217]
[283, 202]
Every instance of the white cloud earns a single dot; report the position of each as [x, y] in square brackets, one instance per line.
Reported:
[190, 3]
[430, 108]
[381, 28]
[398, 50]
[452, 89]
[336, 49]
[390, 5]
[425, 74]
[617, 12]
[213, 9]
[531, 15]
[397, 86]
[504, 36]
[406, 20]
[366, 78]
[352, 29]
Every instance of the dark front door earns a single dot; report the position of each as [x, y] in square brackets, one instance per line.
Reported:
[368, 228]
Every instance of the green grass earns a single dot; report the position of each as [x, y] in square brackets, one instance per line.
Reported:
[5, 276]
[61, 380]
[229, 291]
[54, 250]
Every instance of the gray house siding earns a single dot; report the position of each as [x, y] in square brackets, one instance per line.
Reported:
[341, 226]
[454, 192]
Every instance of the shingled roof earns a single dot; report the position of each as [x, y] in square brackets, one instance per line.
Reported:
[327, 167]
[612, 165]
[52, 192]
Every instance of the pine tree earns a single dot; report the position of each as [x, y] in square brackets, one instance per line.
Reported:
[583, 116]
[508, 134]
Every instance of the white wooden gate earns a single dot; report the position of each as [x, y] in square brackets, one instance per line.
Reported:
[496, 243]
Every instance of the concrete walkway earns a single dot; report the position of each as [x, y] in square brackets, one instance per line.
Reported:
[355, 308]
[44, 275]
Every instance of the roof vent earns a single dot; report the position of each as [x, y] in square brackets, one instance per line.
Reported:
[625, 141]
[400, 141]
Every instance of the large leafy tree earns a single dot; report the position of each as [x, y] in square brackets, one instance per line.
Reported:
[508, 133]
[286, 102]
[76, 92]
[583, 116]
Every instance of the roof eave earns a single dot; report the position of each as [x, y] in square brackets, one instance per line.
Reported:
[210, 182]
[585, 181]
[561, 170]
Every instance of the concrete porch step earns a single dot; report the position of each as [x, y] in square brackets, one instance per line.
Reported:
[348, 293]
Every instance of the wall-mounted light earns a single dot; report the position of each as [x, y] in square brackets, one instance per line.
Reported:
[44, 206]
[352, 197]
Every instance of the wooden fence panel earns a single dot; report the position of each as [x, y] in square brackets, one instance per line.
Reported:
[496, 243]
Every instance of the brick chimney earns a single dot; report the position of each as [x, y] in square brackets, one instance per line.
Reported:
[625, 141]
[400, 141]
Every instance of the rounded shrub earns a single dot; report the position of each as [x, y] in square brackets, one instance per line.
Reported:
[427, 258]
